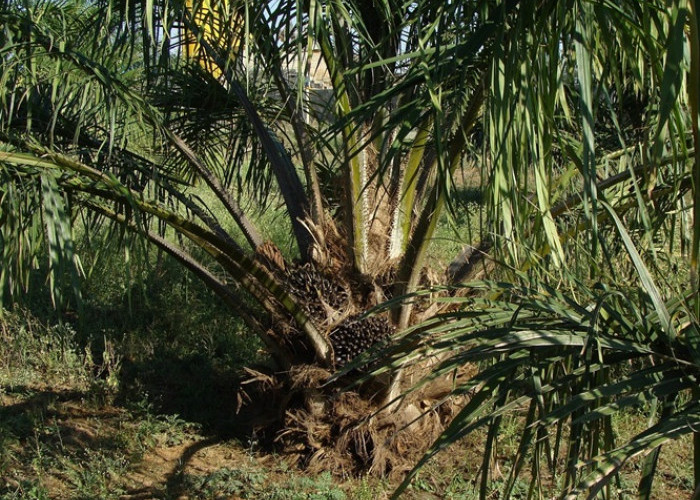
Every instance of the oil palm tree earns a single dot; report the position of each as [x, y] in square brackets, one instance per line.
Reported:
[597, 315]
[129, 112]
[112, 112]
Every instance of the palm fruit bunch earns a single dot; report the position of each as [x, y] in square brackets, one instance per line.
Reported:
[354, 336]
[315, 289]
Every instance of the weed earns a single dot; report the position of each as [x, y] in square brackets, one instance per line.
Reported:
[33, 353]
[161, 346]
[226, 482]
[24, 490]
[95, 474]
[159, 430]
[460, 488]
[311, 488]
[364, 489]
[258, 484]
[423, 484]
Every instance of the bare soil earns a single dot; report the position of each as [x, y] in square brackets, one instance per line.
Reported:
[70, 444]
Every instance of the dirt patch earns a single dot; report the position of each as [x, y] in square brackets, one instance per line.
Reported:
[65, 446]
[161, 472]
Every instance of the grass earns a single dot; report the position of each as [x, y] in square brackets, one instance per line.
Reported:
[70, 430]
[63, 434]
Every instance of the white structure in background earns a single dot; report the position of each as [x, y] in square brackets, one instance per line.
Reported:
[317, 88]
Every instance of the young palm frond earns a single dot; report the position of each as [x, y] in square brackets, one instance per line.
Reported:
[565, 365]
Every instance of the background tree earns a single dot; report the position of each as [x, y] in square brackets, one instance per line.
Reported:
[109, 111]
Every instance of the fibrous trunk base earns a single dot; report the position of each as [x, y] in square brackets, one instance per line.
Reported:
[348, 433]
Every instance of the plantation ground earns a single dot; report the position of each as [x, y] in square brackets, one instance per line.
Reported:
[70, 430]
[67, 433]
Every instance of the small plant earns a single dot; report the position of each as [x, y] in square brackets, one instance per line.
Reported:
[228, 482]
[254, 484]
[32, 352]
[96, 474]
[24, 490]
[164, 430]
[309, 488]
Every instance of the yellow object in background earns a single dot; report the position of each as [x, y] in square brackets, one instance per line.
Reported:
[220, 27]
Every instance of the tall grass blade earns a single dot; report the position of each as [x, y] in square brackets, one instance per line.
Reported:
[584, 69]
[672, 75]
[644, 275]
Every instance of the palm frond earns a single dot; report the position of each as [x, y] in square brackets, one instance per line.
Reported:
[558, 353]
